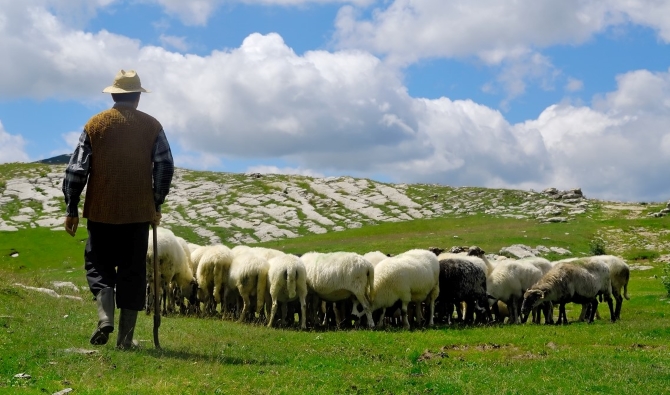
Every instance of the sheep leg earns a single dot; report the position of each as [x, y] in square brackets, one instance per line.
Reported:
[272, 313]
[562, 317]
[469, 315]
[495, 310]
[619, 302]
[449, 311]
[382, 318]
[459, 311]
[613, 316]
[592, 310]
[431, 307]
[548, 315]
[511, 307]
[303, 311]
[338, 314]
[363, 300]
[405, 320]
[245, 307]
[585, 312]
[324, 310]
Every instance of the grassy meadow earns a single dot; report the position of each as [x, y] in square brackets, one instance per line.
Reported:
[44, 337]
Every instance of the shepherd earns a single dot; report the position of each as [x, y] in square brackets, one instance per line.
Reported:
[124, 160]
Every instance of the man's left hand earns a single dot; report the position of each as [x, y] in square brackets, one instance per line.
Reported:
[71, 224]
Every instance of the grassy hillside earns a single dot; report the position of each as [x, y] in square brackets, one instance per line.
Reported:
[47, 337]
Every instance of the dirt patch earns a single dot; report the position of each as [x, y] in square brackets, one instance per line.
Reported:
[428, 355]
[478, 347]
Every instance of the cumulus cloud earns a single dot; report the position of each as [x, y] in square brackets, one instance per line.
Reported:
[198, 12]
[617, 148]
[11, 147]
[407, 30]
[178, 43]
[347, 112]
[507, 36]
[574, 85]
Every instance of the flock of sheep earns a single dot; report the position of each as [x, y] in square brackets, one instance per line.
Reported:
[415, 288]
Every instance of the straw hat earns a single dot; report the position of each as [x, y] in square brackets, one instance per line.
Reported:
[125, 82]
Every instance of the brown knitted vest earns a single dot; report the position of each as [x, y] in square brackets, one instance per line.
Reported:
[120, 182]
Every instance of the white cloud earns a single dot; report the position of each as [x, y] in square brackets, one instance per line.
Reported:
[347, 112]
[409, 30]
[618, 148]
[574, 85]
[503, 34]
[11, 147]
[201, 160]
[178, 43]
[198, 12]
[269, 169]
[71, 138]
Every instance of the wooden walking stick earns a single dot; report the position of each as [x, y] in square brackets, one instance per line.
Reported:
[157, 313]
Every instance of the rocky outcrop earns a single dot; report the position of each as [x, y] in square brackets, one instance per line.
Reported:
[254, 207]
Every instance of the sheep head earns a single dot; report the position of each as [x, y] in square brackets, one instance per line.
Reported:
[476, 251]
[532, 298]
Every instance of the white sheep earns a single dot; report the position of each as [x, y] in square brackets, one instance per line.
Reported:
[619, 276]
[263, 252]
[564, 283]
[212, 275]
[287, 281]
[544, 265]
[339, 276]
[508, 282]
[412, 276]
[173, 266]
[247, 277]
[601, 271]
[185, 284]
[375, 257]
[196, 254]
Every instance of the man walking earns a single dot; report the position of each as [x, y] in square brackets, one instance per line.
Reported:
[124, 159]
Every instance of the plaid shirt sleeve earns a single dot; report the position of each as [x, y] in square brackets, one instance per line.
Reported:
[76, 175]
[163, 169]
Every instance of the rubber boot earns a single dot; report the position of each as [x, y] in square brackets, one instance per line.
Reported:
[105, 303]
[127, 321]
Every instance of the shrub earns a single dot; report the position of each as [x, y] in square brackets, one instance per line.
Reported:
[597, 246]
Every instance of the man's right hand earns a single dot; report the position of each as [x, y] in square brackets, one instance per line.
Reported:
[157, 220]
[71, 224]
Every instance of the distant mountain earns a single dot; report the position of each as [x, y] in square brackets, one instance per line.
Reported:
[56, 160]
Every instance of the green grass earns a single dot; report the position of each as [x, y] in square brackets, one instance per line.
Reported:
[210, 356]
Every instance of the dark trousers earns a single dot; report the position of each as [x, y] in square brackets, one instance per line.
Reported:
[115, 256]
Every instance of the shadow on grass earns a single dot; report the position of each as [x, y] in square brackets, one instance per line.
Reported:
[221, 359]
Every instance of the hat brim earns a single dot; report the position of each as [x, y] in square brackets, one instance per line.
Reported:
[116, 89]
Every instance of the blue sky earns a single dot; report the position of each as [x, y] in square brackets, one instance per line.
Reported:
[527, 94]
